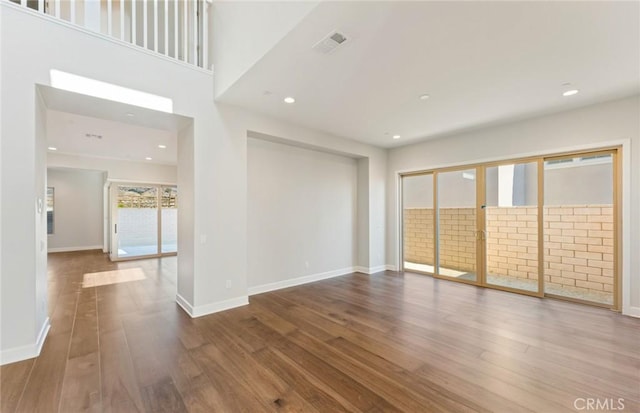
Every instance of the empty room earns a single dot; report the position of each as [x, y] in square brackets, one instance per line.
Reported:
[319, 206]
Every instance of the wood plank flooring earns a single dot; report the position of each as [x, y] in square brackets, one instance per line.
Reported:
[382, 343]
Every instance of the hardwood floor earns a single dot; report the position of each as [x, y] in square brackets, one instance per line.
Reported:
[388, 342]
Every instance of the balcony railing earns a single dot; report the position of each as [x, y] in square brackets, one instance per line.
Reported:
[174, 28]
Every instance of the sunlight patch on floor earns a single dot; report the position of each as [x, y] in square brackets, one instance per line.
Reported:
[429, 269]
[97, 279]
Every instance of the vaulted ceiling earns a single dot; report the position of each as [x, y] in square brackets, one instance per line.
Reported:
[481, 63]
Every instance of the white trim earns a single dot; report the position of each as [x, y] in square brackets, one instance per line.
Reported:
[114, 40]
[69, 249]
[202, 310]
[182, 302]
[140, 183]
[292, 282]
[632, 311]
[28, 351]
[42, 336]
[399, 216]
[391, 267]
[625, 273]
[371, 270]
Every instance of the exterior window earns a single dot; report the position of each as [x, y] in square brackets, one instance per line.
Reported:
[50, 210]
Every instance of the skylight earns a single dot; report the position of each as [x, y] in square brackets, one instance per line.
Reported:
[96, 88]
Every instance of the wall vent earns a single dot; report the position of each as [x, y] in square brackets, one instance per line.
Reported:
[330, 42]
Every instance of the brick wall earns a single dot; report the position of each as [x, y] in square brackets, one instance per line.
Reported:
[418, 235]
[512, 241]
[457, 238]
[578, 243]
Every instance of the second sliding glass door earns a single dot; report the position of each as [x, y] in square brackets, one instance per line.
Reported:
[143, 221]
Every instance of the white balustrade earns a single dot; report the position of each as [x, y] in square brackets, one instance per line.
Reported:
[181, 26]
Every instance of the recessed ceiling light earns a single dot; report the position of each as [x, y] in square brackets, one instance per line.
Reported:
[148, 158]
[52, 148]
[162, 146]
[396, 136]
[130, 115]
[570, 92]
[424, 97]
[289, 99]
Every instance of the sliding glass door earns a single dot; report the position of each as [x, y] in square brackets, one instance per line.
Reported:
[169, 219]
[542, 226]
[457, 219]
[143, 221]
[579, 238]
[418, 223]
[512, 221]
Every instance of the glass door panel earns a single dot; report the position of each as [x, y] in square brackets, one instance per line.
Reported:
[137, 221]
[579, 227]
[418, 221]
[169, 220]
[457, 224]
[511, 232]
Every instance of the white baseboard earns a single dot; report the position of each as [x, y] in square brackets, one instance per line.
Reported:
[259, 289]
[371, 270]
[70, 249]
[631, 311]
[202, 310]
[29, 351]
[390, 267]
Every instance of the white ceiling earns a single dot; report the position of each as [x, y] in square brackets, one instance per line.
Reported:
[71, 116]
[67, 132]
[482, 63]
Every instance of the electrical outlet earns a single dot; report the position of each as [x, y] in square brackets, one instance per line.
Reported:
[203, 239]
[228, 284]
[306, 264]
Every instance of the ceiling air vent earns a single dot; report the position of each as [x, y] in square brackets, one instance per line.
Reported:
[330, 42]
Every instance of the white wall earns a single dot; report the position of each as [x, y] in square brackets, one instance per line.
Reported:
[40, 231]
[77, 210]
[244, 31]
[363, 212]
[301, 214]
[1, 198]
[417, 191]
[581, 128]
[212, 166]
[143, 172]
[579, 185]
[23, 30]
